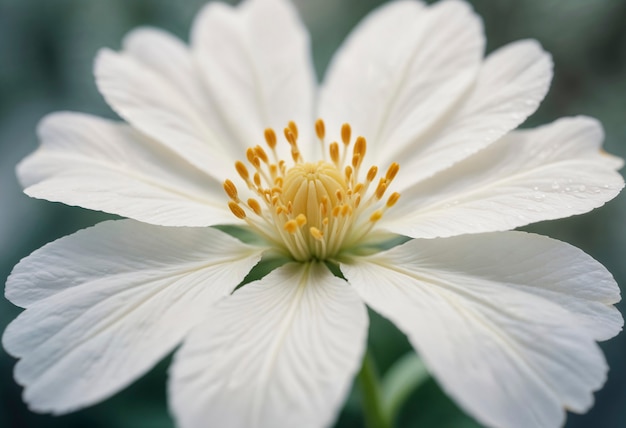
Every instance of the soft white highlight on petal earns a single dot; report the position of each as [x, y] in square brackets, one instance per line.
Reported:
[107, 166]
[107, 303]
[155, 104]
[401, 70]
[256, 64]
[280, 352]
[506, 321]
[550, 172]
[512, 82]
[172, 60]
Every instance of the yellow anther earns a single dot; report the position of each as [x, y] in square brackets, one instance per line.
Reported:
[270, 138]
[231, 190]
[236, 209]
[360, 147]
[257, 179]
[301, 220]
[320, 129]
[291, 226]
[293, 128]
[276, 190]
[339, 195]
[348, 171]
[316, 233]
[242, 170]
[358, 188]
[273, 171]
[290, 137]
[357, 201]
[336, 211]
[371, 174]
[376, 215]
[393, 199]
[346, 210]
[250, 155]
[392, 171]
[380, 190]
[279, 181]
[356, 161]
[254, 206]
[346, 133]
[334, 152]
[258, 150]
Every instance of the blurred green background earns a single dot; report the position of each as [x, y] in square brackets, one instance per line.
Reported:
[46, 53]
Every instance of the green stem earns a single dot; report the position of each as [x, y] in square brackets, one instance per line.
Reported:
[371, 395]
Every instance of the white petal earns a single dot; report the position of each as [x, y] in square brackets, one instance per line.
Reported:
[400, 70]
[550, 172]
[512, 82]
[256, 64]
[506, 321]
[102, 165]
[280, 352]
[155, 104]
[168, 56]
[107, 303]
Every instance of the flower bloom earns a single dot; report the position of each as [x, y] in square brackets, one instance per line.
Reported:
[416, 140]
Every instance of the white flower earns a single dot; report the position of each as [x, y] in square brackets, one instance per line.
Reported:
[507, 322]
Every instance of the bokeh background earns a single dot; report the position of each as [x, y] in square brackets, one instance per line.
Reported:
[46, 53]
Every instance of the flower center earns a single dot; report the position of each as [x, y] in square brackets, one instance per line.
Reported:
[312, 210]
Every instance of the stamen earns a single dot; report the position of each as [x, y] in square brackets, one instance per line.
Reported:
[358, 153]
[291, 226]
[392, 171]
[393, 199]
[348, 172]
[252, 158]
[380, 190]
[334, 153]
[260, 153]
[376, 215]
[371, 174]
[270, 138]
[290, 136]
[346, 133]
[242, 170]
[293, 128]
[320, 129]
[301, 220]
[231, 190]
[316, 233]
[237, 210]
[254, 206]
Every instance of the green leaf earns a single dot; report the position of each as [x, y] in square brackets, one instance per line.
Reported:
[403, 377]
